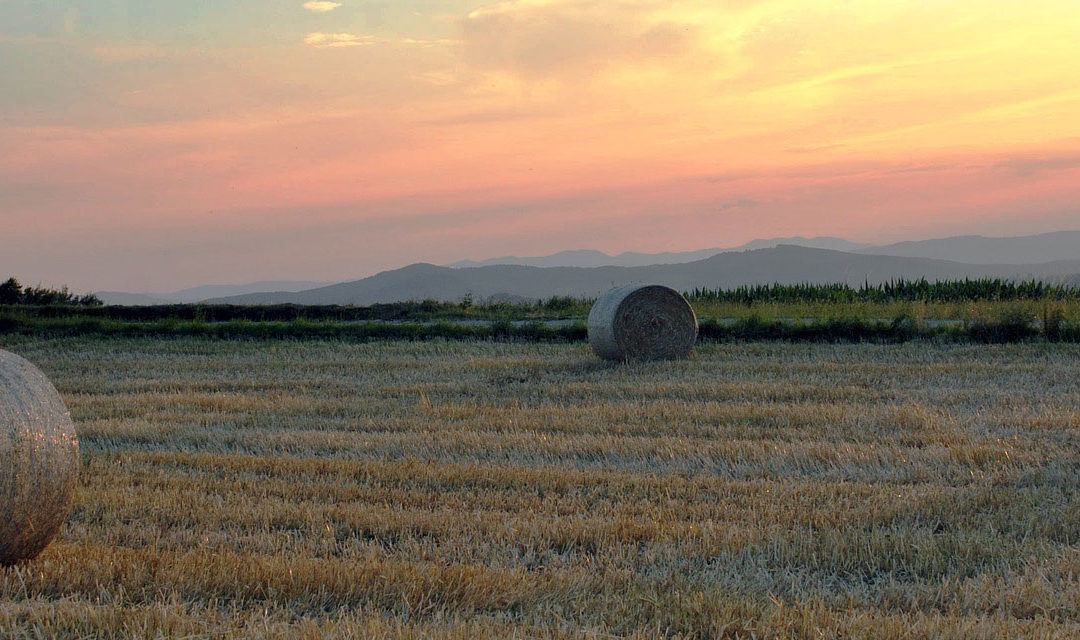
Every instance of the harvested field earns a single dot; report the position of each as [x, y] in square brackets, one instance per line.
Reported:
[281, 489]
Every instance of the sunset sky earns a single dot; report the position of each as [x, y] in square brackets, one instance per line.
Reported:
[157, 144]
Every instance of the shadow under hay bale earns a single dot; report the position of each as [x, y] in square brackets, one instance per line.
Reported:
[39, 458]
[642, 322]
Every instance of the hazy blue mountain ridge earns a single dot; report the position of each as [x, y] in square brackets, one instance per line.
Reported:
[203, 292]
[1034, 249]
[1044, 247]
[1042, 256]
[784, 264]
[593, 258]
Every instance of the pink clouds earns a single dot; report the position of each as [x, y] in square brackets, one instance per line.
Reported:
[540, 125]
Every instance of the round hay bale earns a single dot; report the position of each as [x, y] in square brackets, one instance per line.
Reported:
[39, 458]
[642, 322]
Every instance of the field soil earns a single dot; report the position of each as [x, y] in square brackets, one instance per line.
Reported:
[311, 489]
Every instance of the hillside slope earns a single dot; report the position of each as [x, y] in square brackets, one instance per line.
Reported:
[784, 264]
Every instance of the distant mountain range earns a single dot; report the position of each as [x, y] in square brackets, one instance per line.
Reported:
[784, 264]
[198, 294]
[593, 258]
[1046, 247]
[1052, 256]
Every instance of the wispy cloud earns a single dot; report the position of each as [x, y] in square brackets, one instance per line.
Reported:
[554, 37]
[320, 39]
[127, 52]
[741, 203]
[71, 20]
[1031, 164]
[433, 42]
[321, 6]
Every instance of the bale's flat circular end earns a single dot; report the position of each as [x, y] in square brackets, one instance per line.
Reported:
[39, 459]
[642, 322]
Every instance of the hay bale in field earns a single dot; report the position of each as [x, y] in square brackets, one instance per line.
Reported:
[39, 458]
[646, 322]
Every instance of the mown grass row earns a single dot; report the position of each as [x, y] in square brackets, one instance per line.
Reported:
[1007, 328]
[425, 311]
[14, 323]
[1010, 328]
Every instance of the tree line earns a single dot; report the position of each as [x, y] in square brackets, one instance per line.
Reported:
[921, 290]
[51, 302]
[11, 292]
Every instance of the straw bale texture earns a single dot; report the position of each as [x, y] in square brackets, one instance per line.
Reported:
[642, 322]
[39, 457]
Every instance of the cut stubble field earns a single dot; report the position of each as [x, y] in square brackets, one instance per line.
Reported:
[281, 489]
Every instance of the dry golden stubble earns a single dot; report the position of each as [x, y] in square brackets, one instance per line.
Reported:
[252, 488]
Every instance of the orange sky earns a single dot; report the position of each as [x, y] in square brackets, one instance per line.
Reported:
[153, 145]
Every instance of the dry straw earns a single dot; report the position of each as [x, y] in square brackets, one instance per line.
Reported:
[642, 322]
[39, 458]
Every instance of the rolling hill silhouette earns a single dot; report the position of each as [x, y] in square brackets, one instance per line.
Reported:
[783, 264]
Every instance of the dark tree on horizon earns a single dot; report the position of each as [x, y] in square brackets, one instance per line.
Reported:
[11, 292]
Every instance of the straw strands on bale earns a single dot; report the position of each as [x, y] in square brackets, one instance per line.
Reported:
[642, 322]
[39, 457]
